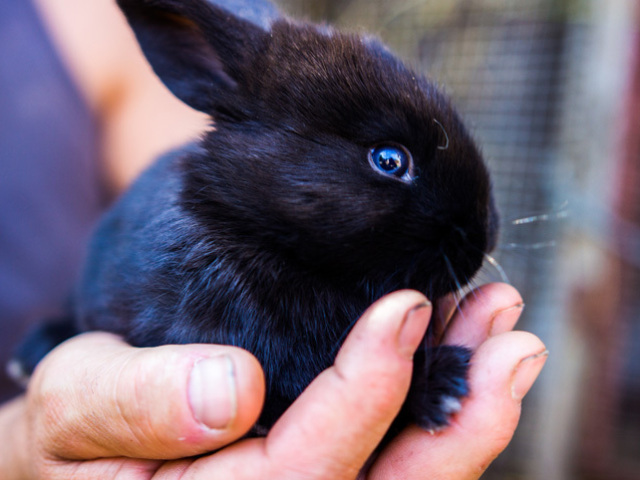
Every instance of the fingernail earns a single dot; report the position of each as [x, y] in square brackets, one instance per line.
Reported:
[212, 392]
[504, 320]
[526, 373]
[413, 328]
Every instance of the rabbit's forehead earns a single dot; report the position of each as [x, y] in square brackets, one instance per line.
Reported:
[316, 71]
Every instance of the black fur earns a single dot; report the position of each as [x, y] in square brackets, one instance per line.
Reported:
[275, 233]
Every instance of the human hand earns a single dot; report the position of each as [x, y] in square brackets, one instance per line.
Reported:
[97, 408]
[335, 425]
[77, 427]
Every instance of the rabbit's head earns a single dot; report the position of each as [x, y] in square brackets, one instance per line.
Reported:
[328, 153]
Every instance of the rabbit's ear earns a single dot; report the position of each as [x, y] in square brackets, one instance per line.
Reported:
[259, 12]
[197, 48]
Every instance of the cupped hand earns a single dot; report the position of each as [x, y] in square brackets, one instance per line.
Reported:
[98, 408]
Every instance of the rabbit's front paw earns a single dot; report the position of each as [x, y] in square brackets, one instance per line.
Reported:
[438, 385]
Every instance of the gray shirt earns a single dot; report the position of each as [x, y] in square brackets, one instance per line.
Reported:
[50, 191]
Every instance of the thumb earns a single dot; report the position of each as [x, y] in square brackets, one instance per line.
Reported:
[95, 396]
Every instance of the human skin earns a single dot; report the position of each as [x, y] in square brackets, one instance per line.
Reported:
[99, 408]
[138, 118]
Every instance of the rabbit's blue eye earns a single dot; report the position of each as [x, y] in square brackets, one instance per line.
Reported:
[390, 159]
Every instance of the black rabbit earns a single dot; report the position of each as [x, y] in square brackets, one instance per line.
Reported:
[334, 175]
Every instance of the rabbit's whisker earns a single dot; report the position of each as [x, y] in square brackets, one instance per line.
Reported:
[472, 286]
[458, 297]
[452, 272]
[458, 292]
[561, 213]
[446, 135]
[530, 246]
[494, 263]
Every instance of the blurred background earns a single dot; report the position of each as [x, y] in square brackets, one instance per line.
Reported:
[549, 88]
[551, 91]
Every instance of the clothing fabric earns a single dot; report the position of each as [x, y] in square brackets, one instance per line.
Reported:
[50, 190]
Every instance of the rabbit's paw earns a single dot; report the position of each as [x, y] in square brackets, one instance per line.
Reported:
[438, 386]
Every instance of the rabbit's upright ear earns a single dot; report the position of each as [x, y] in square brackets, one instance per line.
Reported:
[198, 48]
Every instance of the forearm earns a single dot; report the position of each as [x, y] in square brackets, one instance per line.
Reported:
[13, 454]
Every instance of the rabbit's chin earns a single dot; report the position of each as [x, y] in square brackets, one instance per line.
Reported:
[434, 277]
